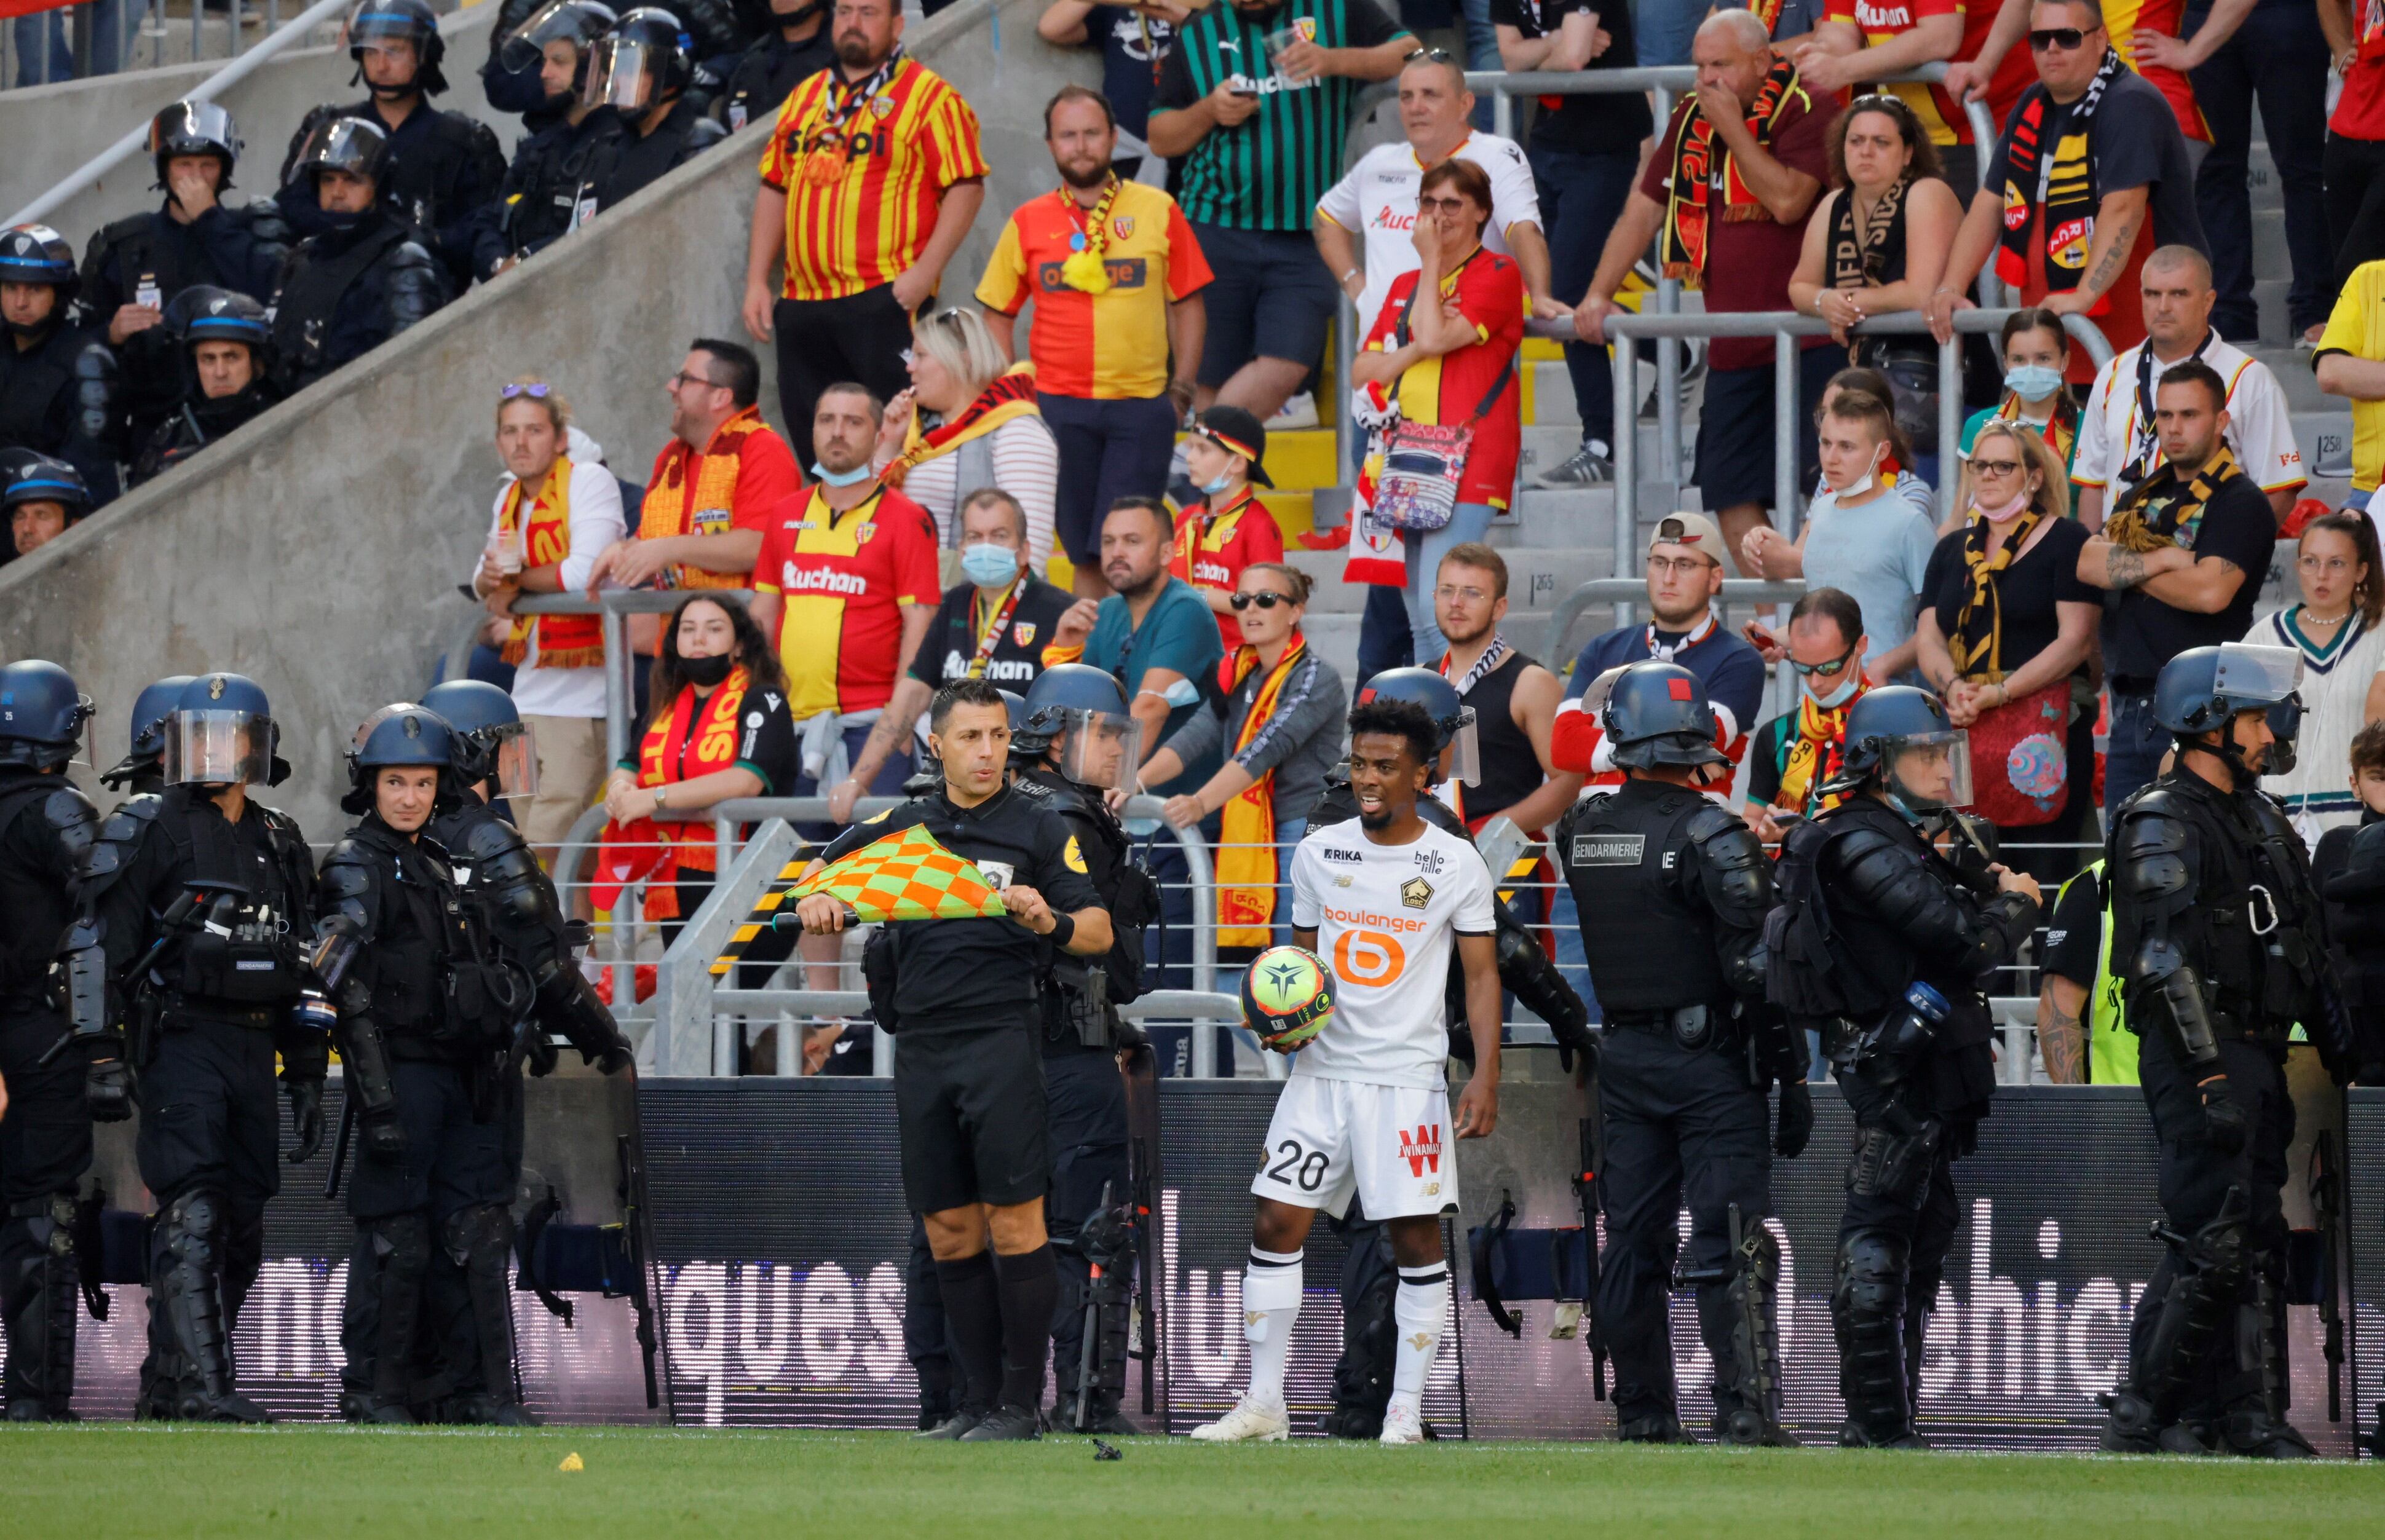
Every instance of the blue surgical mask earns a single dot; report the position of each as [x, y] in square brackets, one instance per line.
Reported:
[988, 565]
[1218, 487]
[2032, 381]
[1849, 678]
[840, 477]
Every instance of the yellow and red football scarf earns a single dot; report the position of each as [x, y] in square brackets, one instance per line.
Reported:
[904, 875]
[2058, 179]
[564, 640]
[1814, 758]
[1246, 855]
[668, 510]
[2061, 429]
[700, 736]
[1696, 157]
[1011, 395]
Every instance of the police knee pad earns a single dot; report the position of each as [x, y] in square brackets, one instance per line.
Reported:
[2221, 1249]
[1871, 1273]
[477, 1232]
[190, 1229]
[401, 1243]
[1892, 1165]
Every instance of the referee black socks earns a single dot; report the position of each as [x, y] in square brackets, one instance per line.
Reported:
[1029, 1288]
[973, 1310]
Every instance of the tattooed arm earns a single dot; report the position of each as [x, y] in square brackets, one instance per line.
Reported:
[2061, 1039]
[2207, 588]
[2119, 218]
[2107, 565]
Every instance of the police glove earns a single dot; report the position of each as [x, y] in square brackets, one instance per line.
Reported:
[539, 1055]
[616, 1058]
[384, 1139]
[305, 1119]
[1796, 1126]
[107, 1090]
[2224, 1121]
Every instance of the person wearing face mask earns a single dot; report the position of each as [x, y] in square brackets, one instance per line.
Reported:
[2006, 634]
[1796, 754]
[226, 347]
[2036, 362]
[57, 378]
[796, 44]
[846, 582]
[443, 167]
[366, 278]
[1220, 537]
[994, 625]
[539, 70]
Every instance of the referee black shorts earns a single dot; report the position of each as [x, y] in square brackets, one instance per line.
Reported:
[968, 1104]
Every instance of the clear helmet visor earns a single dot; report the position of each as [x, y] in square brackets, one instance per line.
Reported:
[2252, 676]
[621, 73]
[1462, 761]
[1931, 772]
[343, 144]
[1099, 748]
[517, 760]
[218, 748]
[559, 18]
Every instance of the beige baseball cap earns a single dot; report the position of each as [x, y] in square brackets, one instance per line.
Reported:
[1694, 531]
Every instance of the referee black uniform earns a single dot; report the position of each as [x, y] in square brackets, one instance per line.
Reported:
[969, 1077]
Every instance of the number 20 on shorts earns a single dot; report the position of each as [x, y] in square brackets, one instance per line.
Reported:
[1373, 958]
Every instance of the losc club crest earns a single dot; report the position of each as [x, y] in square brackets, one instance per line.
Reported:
[1415, 893]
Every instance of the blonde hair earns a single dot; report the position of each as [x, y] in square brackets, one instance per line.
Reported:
[2053, 495]
[559, 410]
[964, 345]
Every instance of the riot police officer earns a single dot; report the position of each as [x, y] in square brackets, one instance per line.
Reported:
[422, 1035]
[141, 772]
[1885, 946]
[57, 379]
[639, 79]
[39, 499]
[45, 827]
[224, 348]
[796, 44]
[135, 266]
[2220, 945]
[201, 899]
[1080, 741]
[1674, 889]
[539, 202]
[443, 167]
[364, 279]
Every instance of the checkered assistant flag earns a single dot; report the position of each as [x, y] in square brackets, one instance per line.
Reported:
[903, 876]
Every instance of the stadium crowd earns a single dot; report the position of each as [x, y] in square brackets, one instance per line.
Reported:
[893, 535]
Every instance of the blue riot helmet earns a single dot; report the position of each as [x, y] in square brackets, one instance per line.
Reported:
[42, 714]
[1657, 714]
[36, 254]
[1082, 712]
[27, 477]
[377, 23]
[578, 22]
[2204, 688]
[221, 733]
[491, 740]
[1901, 740]
[1453, 719]
[150, 709]
[398, 736]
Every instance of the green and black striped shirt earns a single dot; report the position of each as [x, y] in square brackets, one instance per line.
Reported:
[1268, 173]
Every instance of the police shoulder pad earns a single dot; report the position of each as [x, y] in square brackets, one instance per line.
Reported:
[123, 827]
[348, 870]
[72, 818]
[484, 839]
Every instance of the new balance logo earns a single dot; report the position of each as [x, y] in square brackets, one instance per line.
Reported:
[1421, 1150]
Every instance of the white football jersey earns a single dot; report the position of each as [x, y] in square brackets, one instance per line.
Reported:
[1386, 917]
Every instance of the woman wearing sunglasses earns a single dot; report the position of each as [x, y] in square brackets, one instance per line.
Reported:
[1276, 716]
[2007, 630]
[2336, 627]
[558, 508]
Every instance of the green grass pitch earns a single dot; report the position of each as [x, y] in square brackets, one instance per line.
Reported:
[123, 1481]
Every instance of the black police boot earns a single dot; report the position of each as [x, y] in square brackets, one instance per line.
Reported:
[1102, 1417]
[40, 1300]
[1006, 1425]
[1656, 1427]
[2188, 1436]
[2254, 1432]
[189, 1287]
[480, 1240]
[2131, 1429]
[1867, 1319]
[1750, 1428]
[480, 1410]
[957, 1425]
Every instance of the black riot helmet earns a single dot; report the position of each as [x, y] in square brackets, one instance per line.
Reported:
[194, 128]
[36, 254]
[42, 714]
[204, 312]
[350, 144]
[399, 21]
[1657, 714]
[28, 477]
[403, 734]
[1082, 711]
[1900, 739]
[578, 22]
[491, 740]
[646, 58]
[1453, 719]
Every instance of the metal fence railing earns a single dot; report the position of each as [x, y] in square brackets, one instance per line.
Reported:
[108, 37]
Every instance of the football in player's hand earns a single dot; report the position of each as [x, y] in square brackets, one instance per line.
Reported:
[1287, 997]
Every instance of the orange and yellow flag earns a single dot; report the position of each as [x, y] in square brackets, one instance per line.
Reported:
[903, 876]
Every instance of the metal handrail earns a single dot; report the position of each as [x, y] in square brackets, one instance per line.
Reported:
[1629, 590]
[289, 36]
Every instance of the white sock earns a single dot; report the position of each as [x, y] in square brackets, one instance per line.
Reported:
[1417, 1309]
[1271, 1285]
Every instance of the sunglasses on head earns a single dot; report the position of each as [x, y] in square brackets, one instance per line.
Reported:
[536, 392]
[2064, 38]
[1264, 600]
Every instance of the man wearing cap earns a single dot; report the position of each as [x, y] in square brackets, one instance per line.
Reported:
[1685, 574]
[1229, 527]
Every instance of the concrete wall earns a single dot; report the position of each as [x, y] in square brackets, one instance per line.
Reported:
[51, 130]
[318, 550]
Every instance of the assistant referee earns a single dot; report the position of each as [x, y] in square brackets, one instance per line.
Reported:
[968, 1072]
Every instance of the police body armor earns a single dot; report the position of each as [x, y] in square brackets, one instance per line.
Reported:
[151, 379]
[1653, 952]
[61, 398]
[426, 188]
[1084, 1008]
[320, 290]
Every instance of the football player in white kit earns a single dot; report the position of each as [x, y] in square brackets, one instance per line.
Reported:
[1382, 898]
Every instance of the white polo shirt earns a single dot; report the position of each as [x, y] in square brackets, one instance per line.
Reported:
[1379, 200]
[2260, 428]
